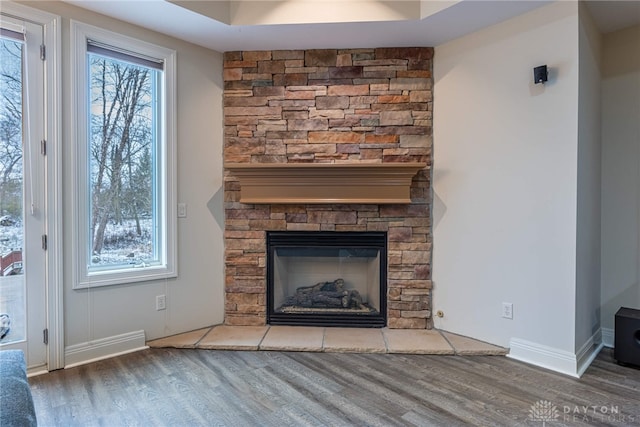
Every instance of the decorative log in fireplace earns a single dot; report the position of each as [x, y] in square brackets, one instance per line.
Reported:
[302, 290]
[323, 295]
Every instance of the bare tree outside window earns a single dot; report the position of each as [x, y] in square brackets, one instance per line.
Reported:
[11, 231]
[123, 123]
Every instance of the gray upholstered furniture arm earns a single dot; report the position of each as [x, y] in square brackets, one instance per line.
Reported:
[16, 402]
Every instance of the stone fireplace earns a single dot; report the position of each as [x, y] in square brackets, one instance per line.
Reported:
[332, 111]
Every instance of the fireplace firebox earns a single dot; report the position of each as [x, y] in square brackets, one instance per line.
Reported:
[327, 278]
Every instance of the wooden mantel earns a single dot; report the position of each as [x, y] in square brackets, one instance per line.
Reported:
[373, 183]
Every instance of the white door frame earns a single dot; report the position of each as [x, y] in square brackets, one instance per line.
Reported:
[53, 191]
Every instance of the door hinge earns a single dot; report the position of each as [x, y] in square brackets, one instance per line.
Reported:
[43, 147]
[44, 242]
[45, 336]
[42, 52]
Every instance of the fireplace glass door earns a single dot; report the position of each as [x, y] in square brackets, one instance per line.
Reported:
[326, 278]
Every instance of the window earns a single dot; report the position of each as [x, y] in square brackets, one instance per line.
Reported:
[125, 166]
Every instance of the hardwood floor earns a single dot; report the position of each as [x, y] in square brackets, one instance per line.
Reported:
[172, 387]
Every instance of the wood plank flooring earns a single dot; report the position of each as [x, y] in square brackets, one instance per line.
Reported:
[177, 387]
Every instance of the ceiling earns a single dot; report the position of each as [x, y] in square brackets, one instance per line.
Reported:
[614, 15]
[228, 25]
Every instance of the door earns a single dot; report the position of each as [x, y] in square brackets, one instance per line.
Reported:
[23, 315]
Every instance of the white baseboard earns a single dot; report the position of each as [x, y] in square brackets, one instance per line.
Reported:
[104, 348]
[608, 337]
[543, 356]
[557, 360]
[588, 352]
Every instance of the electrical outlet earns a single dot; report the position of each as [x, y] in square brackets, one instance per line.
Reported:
[507, 310]
[161, 302]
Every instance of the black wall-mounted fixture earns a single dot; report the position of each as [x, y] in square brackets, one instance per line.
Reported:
[540, 74]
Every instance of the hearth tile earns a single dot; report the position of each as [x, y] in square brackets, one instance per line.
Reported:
[465, 346]
[226, 337]
[416, 341]
[293, 338]
[186, 340]
[354, 340]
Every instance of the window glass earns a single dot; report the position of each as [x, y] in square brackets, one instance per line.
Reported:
[123, 138]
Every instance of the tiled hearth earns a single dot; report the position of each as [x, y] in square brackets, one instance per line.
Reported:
[317, 339]
[330, 106]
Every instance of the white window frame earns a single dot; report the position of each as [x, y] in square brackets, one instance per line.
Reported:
[83, 277]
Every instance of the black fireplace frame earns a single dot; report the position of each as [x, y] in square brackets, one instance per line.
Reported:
[329, 239]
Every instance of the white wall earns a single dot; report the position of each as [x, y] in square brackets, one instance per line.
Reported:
[620, 175]
[587, 301]
[101, 320]
[505, 185]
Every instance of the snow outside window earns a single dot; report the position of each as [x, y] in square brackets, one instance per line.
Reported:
[124, 173]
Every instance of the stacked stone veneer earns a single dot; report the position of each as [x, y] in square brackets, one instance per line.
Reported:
[329, 105]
